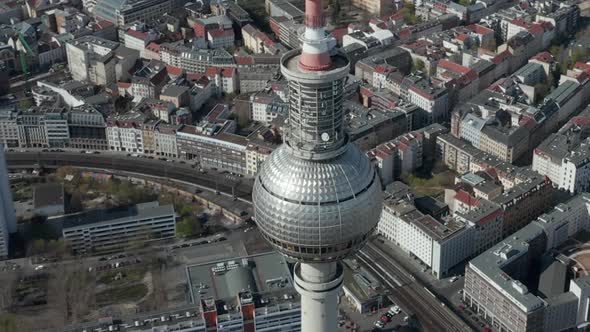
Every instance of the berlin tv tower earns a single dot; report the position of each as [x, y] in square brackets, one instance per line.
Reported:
[317, 198]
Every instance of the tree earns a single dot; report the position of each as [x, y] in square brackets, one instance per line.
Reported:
[419, 65]
[187, 227]
[38, 246]
[465, 3]
[579, 54]
[8, 323]
[409, 12]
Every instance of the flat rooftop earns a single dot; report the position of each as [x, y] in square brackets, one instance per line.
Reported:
[266, 276]
[116, 215]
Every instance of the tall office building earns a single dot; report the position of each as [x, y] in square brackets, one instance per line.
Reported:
[317, 197]
[7, 215]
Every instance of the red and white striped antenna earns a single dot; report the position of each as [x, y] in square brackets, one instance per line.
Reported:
[315, 55]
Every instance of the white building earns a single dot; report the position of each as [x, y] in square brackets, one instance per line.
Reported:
[200, 93]
[9, 128]
[400, 155]
[113, 229]
[165, 136]
[439, 245]
[136, 39]
[91, 59]
[7, 215]
[434, 100]
[265, 107]
[225, 79]
[124, 133]
[564, 157]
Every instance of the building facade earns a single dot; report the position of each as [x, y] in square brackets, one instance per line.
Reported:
[117, 228]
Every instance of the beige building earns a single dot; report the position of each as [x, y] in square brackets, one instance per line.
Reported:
[375, 7]
[149, 136]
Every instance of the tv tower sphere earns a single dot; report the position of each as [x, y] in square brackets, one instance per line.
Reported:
[316, 198]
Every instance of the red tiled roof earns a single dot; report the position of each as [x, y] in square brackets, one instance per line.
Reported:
[223, 71]
[465, 198]
[501, 57]
[580, 121]
[585, 67]
[453, 67]
[220, 33]
[490, 217]
[417, 44]
[381, 69]
[405, 33]
[244, 60]
[192, 77]
[137, 34]
[462, 37]
[174, 71]
[520, 22]
[123, 85]
[154, 47]
[543, 57]
[546, 25]
[103, 24]
[480, 29]
[536, 29]
[421, 93]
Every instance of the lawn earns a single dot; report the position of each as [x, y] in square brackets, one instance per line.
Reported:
[121, 294]
[432, 186]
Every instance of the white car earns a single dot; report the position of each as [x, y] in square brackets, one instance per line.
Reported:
[379, 324]
[39, 267]
[453, 279]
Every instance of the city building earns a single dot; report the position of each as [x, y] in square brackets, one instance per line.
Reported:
[564, 157]
[117, 228]
[9, 136]
[98, 60]
[179, 95]
[361, 288]
[124, 132]
[213, 143]
[526, 282]
[149, 81]
[266, 106]
[7, 214]
[402, 155]
[368, 128]
[257, 293]
[165, 140]
[378, 8]
[439, 244]
[123, 12]
[261, 143]
[87, 128]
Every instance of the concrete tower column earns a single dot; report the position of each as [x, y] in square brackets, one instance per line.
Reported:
[319, 284]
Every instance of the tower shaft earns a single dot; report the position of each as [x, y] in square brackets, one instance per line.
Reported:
[318, 285]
